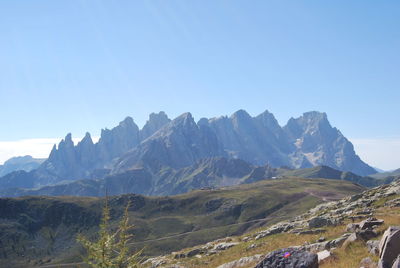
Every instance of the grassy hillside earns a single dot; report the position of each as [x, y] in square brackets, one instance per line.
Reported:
[37, 230]
[376, 201]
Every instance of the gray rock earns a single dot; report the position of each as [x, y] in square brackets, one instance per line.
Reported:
[366, 235]
[396, 263]
[289, 258]
[370, 223]
[316, 247]
[242, 262]
[352, 238]
[338, 242]
[318, 222]
[352, 227]
[323, 255]
[194, 252]
[389, 247]
[155, 262]
[225, 245]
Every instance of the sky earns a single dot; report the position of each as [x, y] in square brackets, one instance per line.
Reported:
[77, 66]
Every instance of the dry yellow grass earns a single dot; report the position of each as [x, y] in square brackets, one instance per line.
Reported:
[348, 257]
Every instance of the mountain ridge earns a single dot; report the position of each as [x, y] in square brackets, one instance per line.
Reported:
[304, 142]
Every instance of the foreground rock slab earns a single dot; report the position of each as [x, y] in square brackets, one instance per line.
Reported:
[389, 247]
[289, 258]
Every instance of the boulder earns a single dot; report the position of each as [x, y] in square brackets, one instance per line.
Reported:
[155, 262]
[323, 255]
[366, 235]
[289, 257]
[352, 227]
[352, 238]
[396, 263]
[316, 247]
[370, 223]
[318, 222]
[194, 252]
[389, 247]
[224, 245]
[338, 242]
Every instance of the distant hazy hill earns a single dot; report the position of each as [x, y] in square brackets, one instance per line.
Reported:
[35, 230]
[26, 163]
[330, 173]
[207, 173]
[394, 173]
[305, 142]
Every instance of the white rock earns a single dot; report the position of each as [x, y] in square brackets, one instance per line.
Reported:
[323, 255]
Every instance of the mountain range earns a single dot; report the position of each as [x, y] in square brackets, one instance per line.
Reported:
[157, 155]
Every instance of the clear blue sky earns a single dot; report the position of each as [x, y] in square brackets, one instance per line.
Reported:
[77, 66]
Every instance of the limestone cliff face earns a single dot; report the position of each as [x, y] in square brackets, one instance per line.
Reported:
[155, 122]
[259, 140]
[71, 162]
[318, 143]
[180, 143]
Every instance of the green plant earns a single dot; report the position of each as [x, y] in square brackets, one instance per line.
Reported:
[111, 248]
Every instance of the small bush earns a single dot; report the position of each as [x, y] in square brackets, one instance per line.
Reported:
[111, 248]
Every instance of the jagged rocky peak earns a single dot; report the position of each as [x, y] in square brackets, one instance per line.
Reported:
[240, 116]
[185, 120]
[311, 123]
[65, 144]
[179, 144]
[203, 122]
[125, 127]
[86, 140]
[267, 119]
[156, 122]
[119, 139]
[67, 140]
